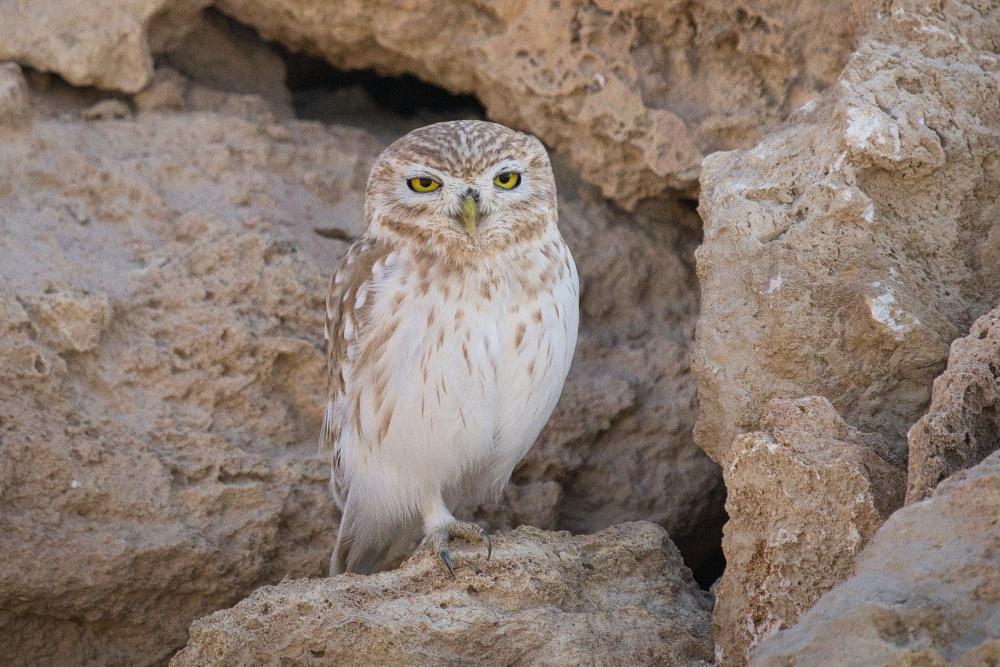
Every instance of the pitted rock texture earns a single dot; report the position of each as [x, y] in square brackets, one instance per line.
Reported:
[635, 93]
[161, 300]
[805, 495]
[618, 597]
[962, 426]
[842, 256]
[926, 589]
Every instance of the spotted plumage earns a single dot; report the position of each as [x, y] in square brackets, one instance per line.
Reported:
[450, 327]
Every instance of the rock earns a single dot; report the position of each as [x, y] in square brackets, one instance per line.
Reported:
[962, 426]
[635, 93]
[220, 54]
[842, 255]
[110, 109]
[925, 590]
[71, 320]
[165, 92]
[14, 104]
[804, 497]
[102, 43]
[162, 380]
[620, 596]
[809, 270]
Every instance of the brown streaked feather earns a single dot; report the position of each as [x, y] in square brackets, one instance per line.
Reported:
[353, 274]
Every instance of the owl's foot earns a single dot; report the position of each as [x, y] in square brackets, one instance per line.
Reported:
[437, 540]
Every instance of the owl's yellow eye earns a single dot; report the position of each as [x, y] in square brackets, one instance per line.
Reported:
[423, 184]
[508, 180]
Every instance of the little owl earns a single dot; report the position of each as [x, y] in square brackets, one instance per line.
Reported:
[450, 327]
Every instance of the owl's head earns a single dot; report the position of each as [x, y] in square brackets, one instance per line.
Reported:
[462, 186]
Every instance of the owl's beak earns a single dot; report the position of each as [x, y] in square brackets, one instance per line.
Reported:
[470, 211]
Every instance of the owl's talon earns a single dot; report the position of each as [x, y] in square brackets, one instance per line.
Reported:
[437, 540]
[489, 543]
[447, 561]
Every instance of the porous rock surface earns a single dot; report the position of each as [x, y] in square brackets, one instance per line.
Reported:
[621, 596]
[842, 255]
[962, 426]
[926, 589]
[161, 298]
[805, 494]
[635, 92]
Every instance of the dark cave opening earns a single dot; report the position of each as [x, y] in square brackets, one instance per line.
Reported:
[317, 86]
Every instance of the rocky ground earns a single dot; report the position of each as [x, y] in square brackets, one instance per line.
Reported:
[177, 181]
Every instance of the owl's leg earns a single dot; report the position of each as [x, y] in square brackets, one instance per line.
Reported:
[440, 526]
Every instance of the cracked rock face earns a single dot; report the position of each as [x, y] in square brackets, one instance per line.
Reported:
[962, 426]
[805, 494]
[635, 93]
[924, 591]
[621, 596]
[842, 255]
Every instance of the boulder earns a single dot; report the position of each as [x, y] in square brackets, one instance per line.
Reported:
[805, 494]
[842, 256]
[962, 426]
[636, 93]
[926, 589]
[621, 596]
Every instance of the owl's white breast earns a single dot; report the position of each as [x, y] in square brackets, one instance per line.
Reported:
[469, 367]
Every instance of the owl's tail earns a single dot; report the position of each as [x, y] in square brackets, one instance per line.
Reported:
[365, 547]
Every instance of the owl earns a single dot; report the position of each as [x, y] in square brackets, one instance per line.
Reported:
[450, 328]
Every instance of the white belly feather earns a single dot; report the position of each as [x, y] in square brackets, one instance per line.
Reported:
[474, 380]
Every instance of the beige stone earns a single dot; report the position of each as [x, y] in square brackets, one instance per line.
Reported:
[925, 590]
[621, 596]
[635, 93]
[843, 254]
[962, 426]
[805, 496]
[15, 108]
[103, 43]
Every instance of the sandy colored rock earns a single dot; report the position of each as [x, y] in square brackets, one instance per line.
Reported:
[636, 93]
[925, 589]
[805, 496]
[843, 254]
[618, 597]
[104, 43]
[14, 105]
[962, 426]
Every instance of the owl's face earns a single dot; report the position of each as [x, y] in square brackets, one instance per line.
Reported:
[462, 185]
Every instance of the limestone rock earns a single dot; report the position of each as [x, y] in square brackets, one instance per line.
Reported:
[805, 496]
[636, 93]
[14, 105]
[962, 426]
[843, 254]
[925, 590]
[618, 597]
[104, 43]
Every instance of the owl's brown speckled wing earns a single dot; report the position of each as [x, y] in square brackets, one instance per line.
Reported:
[345, 316]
